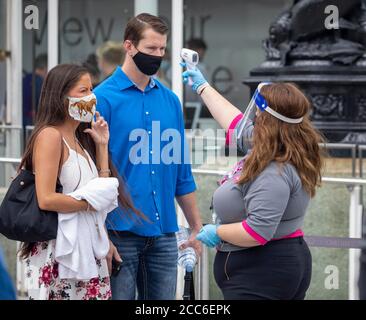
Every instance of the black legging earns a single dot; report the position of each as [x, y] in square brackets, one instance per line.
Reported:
[279, 270]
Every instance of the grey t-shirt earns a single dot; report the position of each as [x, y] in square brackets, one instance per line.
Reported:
[273, 204]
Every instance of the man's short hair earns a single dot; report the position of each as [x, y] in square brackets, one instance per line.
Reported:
[196, 43]
[91, 63]
[137, 25]
[111, 52]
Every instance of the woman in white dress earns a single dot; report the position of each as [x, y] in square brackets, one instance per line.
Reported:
[67, 144]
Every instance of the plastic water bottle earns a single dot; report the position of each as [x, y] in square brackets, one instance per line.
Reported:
[186, 257]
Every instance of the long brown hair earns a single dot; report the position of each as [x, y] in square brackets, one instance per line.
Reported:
[52, 111]
[275, 140]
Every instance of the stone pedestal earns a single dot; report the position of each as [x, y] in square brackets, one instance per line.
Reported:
[337, 94]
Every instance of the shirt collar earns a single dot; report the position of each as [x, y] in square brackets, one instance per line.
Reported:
[124, 82]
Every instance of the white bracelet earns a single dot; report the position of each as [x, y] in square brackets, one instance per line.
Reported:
[105, 171]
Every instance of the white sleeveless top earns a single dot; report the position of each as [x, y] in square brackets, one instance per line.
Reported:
[76, 250]
[76, 168]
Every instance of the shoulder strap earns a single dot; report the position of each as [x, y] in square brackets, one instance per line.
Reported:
[61, 158]
[81, 146]
[67, 145]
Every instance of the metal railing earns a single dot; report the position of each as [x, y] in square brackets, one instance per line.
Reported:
[344, 146]
[354, 148]
[9, 128]
[6, 127]
[10, 160]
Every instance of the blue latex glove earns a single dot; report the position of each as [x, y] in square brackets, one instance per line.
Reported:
[208, 235]
[196, 75]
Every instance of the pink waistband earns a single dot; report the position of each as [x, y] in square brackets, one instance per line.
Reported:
[296, 234]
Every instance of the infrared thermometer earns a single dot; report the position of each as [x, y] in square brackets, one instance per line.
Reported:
[191, 58]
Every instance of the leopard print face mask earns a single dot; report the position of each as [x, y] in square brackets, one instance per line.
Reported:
[83, 109]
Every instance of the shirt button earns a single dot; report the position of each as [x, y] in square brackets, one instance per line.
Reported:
[157, 218]
[153, 172]
[147, 112]
[157, 214]
[154, 192]
[149, 132]
[151, 152]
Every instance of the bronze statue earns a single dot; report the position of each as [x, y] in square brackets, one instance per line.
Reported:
[299, 33]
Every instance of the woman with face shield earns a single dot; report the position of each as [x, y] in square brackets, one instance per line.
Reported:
[69, 146]
[260, 207]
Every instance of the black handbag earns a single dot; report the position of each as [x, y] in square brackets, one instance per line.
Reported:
[21, 218]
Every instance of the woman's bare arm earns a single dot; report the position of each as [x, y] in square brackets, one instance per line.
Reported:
[46, 159]
[221, 109]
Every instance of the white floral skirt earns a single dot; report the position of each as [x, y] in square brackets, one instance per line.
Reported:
[44, 283]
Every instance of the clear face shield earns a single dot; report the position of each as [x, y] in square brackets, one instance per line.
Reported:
[259, 102]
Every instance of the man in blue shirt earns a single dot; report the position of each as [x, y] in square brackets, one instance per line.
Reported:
[148, 148]
[7, 291]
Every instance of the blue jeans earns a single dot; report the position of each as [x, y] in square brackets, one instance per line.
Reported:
[149, 264]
